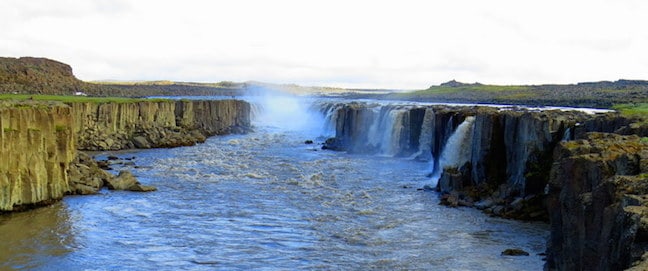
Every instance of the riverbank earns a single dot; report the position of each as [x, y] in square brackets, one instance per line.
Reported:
[42, 138]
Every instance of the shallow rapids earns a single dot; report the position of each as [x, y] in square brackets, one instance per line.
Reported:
[266, 201]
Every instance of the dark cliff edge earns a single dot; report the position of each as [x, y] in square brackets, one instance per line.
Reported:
[598, 203]
[42, 142]
[524, 164]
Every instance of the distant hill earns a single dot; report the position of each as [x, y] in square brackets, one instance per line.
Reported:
[37, 75]
[591, 94]
[31, 75]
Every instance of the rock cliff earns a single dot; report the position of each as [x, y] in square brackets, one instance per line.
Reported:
[116, 126]
[506, 156]
[525, 164]
[598, 202]
[39, 142]
[36, 145]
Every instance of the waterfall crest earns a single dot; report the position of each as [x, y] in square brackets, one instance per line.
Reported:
[427, 136]
[457, 150]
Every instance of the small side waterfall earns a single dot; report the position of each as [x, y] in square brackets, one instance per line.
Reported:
[392, 132]
[427, 136]
[330, 112]
[568, 135]
[457, 149]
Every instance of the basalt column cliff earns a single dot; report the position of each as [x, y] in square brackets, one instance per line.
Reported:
[39, 140]
[37, 145]
[550, 165]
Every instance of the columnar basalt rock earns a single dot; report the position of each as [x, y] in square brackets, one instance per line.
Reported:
[39, 141]
[526, 164]
[116, 126]
[598, 202]
[509, 154]
[36, 147]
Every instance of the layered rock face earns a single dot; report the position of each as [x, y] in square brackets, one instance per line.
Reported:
[116, 126]
[36, 146]
[598, 202]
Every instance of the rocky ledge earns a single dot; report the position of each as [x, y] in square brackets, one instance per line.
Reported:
[598, 203]
[156, 124]
[87, 177]
[41, 141]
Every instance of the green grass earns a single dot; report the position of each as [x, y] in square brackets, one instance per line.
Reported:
[75, 99]
[467, 89]
[636, 109]
[644, 140]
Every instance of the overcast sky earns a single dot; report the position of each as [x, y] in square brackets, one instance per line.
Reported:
[377, 44]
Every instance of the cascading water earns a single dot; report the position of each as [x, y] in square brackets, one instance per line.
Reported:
[427, 137]
[386, 130]
[457, 149]
[264, 200]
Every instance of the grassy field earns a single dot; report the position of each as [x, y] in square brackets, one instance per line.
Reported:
[602, 94]
[74, 99]
[633, 110]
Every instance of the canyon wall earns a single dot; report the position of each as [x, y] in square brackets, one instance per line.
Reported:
[39, 140]
[155, 124]
[598, 203]
[507, 153]
[526, 164]
[37, 145]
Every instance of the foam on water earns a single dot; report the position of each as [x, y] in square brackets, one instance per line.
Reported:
[267, 201]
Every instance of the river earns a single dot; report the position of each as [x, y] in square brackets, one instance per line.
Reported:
[266, 201]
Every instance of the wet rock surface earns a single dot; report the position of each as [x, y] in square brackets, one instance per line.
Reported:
[514, 252]
[87, 176]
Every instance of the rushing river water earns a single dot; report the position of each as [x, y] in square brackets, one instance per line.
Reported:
[266, 201]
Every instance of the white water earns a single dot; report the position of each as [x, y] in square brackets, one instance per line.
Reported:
[266, 201]
[427, 137]
[457, 149]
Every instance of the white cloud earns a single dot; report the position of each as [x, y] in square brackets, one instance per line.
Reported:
[404, 44]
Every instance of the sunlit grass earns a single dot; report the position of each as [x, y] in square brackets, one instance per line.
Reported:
[636, 109]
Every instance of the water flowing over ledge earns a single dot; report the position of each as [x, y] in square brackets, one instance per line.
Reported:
[507, 161]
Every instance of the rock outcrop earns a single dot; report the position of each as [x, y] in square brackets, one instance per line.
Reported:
[36, 147]
[159, 124]
[37, 76]
[598, 202]
[505, 158]
[39, 142]
[87, 178]
[526, 164]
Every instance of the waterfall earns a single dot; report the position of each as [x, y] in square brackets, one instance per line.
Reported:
[427, 137]
[392, 134]
[568, 135]
[457, 149]
[370, 128]
[330, 112]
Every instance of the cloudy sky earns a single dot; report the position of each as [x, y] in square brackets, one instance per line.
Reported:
[377, 44]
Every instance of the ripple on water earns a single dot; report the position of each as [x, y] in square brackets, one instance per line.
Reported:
[265, 201]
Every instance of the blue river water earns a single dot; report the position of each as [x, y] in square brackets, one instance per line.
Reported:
[266, 201]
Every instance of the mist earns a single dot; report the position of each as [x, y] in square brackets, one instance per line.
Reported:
[284, 111]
